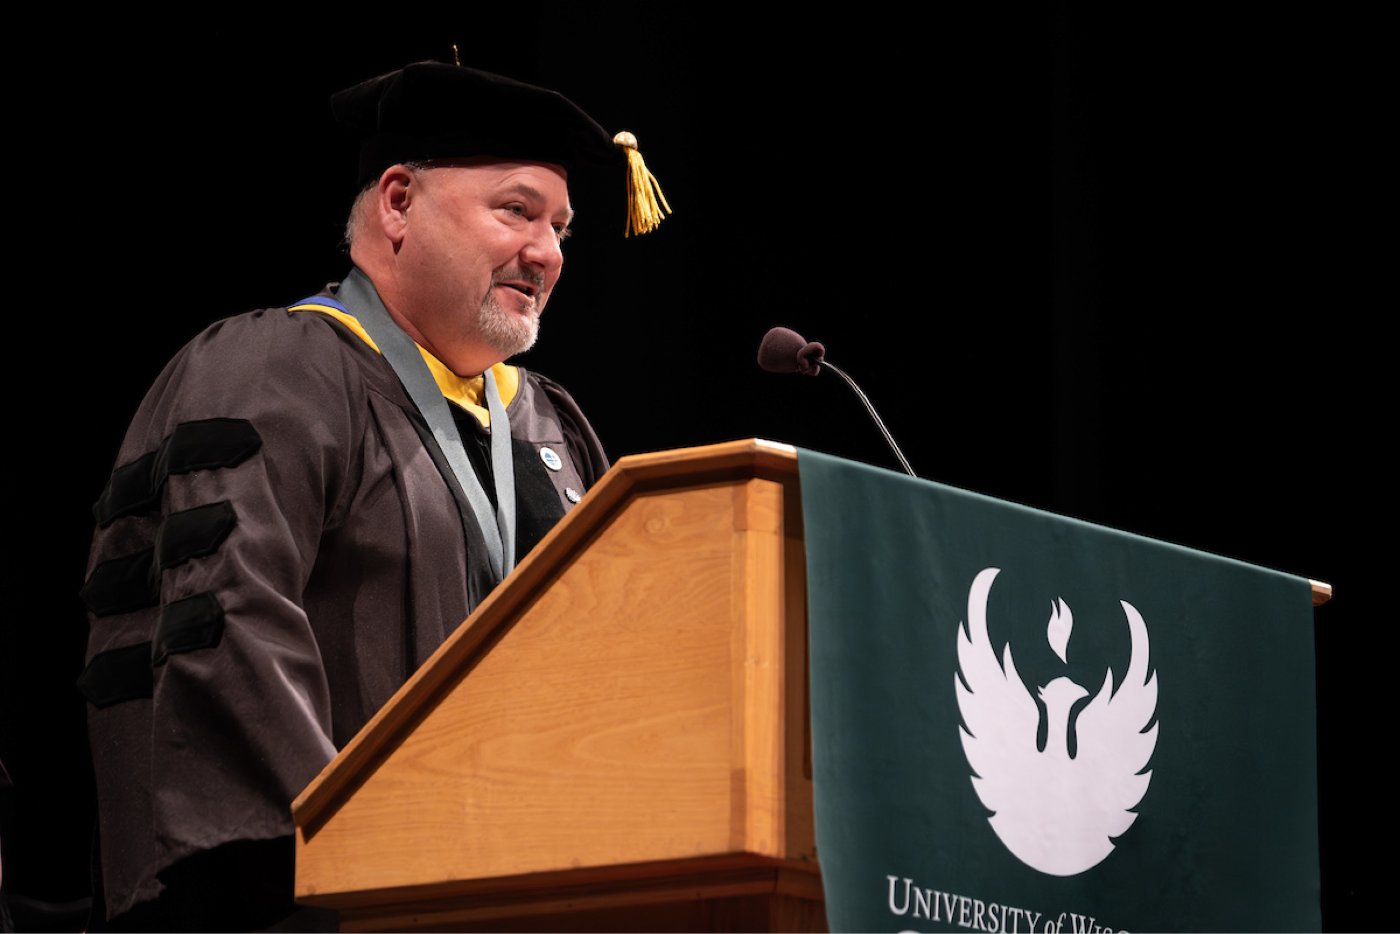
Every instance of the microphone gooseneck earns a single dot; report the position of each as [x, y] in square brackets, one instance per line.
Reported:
[783, 350]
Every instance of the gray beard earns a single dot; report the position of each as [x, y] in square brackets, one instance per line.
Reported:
[504, 332]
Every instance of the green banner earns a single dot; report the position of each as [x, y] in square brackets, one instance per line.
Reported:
[1023, 722]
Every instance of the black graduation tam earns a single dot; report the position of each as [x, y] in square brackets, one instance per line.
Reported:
[431, 110]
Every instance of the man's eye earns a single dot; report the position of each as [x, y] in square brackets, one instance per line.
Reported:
[562, 232]
[516, 209]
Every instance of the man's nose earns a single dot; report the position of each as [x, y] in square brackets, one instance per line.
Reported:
[543, 250]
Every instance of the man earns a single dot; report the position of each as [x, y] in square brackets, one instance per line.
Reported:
[311, 498]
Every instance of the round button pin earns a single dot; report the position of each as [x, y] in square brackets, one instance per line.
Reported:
[572, 494]
[551, 460]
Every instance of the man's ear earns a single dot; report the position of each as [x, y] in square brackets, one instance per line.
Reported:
[397, 188]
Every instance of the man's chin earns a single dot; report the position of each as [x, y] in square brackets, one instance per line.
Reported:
[523, 345]
[509, 332]
[519, 337]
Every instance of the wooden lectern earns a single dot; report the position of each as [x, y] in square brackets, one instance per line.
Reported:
[617, 739]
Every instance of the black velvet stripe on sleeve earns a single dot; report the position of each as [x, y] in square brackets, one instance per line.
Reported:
[193, 533]
[133, 488]
[124, 674]
[132, 582]
[121, 585]
[117, 675]
[209, 444]
[195, 622]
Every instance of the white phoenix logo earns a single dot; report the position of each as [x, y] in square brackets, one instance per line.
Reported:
[1055, 813]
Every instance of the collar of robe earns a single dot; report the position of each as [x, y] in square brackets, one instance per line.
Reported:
[360, 299]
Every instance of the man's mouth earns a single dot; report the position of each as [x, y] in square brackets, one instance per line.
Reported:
[527, 285]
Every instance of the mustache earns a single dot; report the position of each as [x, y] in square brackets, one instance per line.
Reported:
[502, 275]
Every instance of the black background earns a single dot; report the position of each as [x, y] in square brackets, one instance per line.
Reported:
[1122, 265]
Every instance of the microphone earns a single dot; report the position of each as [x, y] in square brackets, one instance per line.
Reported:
[783, 350]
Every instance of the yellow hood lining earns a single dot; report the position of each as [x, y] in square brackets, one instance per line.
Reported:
[463, 390]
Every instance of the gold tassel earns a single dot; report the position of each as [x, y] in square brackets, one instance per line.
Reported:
[645, 202]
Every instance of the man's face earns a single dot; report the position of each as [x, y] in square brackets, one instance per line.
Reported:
[480, 257]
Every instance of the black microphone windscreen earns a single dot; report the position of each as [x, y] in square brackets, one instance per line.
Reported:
[783, 350]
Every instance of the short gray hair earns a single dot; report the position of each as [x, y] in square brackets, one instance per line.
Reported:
[361, 207]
